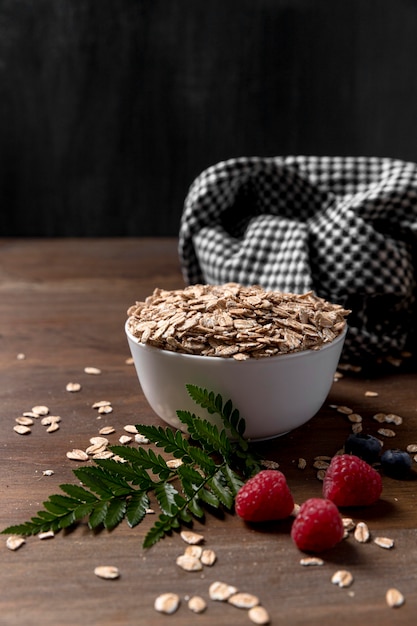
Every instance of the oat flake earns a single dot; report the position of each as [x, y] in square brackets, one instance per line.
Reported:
[394, 598]
[342, 578]
[167, 603]
[14, 542]
[258, 615]
[107, 571]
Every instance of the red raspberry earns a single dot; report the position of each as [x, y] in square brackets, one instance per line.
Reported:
[264, 497]
[350, 481]
[318, 526]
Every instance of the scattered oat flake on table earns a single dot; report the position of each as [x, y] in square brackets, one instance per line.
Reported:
[221, 591]
[95, 371]
[384, 542]
[269, 464]
[361, 532]
[73, 387]
[15, 542]
[77, 455]
[48, 472]
[131, 428]
[109, 572]
[124, 439]
[194, 551]
[129, 361]
[141, 439]
[371, 394]
[394, 598]
[21, 356]
[311, 561]
[24, 421]
[50, 419]
[190, 537]
[379, 417]
[259, 615]
[302, 463]
[101, 403]
[104, 410]
[197, 604]
[345, 410]
[189, 563]
[52, 427]
[342, 578]
[48, 534]
[167, 603]
[107, 430]
[392, 418]
[40, 410]
[208, 557]
[174, 463]
[22, 430]
[242, 600]
[412, 447]
[386, 432]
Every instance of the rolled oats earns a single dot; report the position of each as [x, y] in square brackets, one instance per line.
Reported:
[124, 439]
[386, 432]
[384, 542]
[197, 604]
[104, 410]
[94, 371]
[107, 571]
[394, 598]
[24, 421]
[48, 534]
[194, 551]
[189, 563]
[221, 591]
[243, 600]
[342, 578]
[167, 603]
[191, 537]
[259, 615]
[101, 403]
[20, 429]
[361, 532]
[73, 387]
[208, 557]
[77, 455]
[311, 560]
[234, 321]
[40, 410]
[15, 542]
[107, 430]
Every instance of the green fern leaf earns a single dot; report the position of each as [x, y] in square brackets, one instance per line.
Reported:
[136, 508]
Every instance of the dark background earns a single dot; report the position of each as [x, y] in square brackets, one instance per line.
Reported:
[110, 108]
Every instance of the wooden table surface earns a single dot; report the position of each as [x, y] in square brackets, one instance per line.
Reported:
[63, 306]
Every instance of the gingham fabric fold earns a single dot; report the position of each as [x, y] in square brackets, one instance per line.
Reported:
[344, 227]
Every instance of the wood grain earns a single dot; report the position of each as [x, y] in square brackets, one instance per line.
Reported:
[63, 304]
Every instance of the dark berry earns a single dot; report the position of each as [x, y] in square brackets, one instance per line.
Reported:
[396, 463]
[366, 447]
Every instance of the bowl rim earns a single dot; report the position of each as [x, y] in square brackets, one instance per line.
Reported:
[287, 355]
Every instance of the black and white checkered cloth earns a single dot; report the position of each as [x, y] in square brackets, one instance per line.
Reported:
[344, 227]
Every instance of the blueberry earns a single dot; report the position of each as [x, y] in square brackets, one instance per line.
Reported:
[396, 463]
[366, 447]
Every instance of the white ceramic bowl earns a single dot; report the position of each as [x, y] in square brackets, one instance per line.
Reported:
[273, 394]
